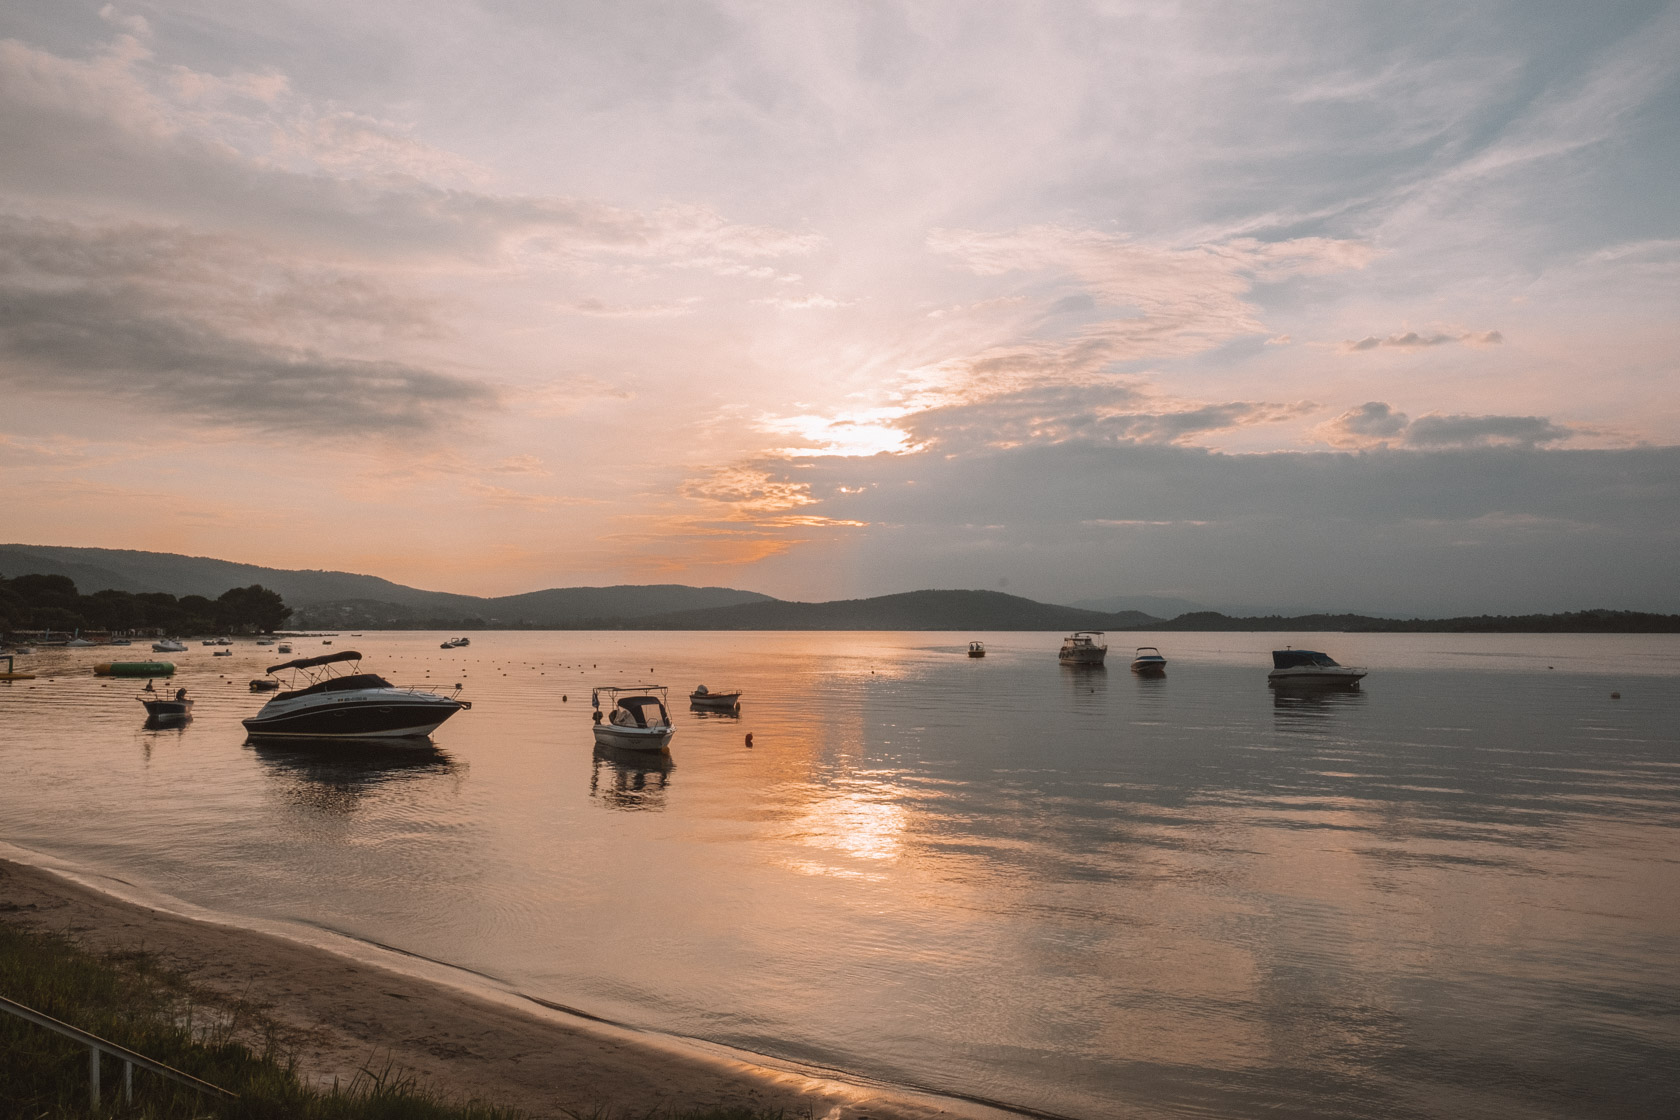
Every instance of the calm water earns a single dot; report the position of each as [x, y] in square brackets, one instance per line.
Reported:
[1456, 893]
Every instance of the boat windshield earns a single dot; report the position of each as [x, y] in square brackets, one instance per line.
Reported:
[640, 711]
[1296, 658]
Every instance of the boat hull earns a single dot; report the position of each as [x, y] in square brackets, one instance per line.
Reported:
[1310, 676]
[1150, 667]
[633, 738]
[716, 701]
[1082, 656]
[354, 717]
[168, 709]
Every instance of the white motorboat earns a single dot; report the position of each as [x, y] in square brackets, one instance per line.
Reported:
[353, 705]
[79, 643]
[456, 643]
[977, 649]
[726, 701]
[1083, 647]
[265, 641]
[169, 645]
[1148, 662]
[635, 719]
[1305, 668]
[283, 647]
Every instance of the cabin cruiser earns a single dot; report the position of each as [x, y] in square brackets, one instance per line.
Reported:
[1083, 647]
[169, 645]
[977, 649]
[1148, 662]
[636, 718]
[332, 704]
[1298, 668]
[726, 701]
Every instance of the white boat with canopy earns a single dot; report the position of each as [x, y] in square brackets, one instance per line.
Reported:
[635, 717]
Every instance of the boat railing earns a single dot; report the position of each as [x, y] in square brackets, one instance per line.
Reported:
[129, 1058]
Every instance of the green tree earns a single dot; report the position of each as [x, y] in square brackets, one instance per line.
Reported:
[254, 606]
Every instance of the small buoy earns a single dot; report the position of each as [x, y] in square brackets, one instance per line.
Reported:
[749, 738]
[1615, 696]
[562, 698]
[1549, 666]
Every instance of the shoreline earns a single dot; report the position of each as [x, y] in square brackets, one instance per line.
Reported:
[343, 1011]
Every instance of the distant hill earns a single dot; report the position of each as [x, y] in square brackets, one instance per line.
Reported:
[912, 610]
[1156, 606]
[1572, 622]
[332, 598]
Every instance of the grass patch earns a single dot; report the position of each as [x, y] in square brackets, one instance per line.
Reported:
[131, 1001]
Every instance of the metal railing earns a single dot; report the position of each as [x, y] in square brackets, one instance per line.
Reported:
[97, 1045]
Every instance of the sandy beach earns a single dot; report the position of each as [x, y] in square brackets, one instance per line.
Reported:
[339, 1014]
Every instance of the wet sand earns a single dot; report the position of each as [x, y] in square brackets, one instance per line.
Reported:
[339, 1015]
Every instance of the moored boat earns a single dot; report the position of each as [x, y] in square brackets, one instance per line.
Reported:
[1083, 647]
[1148, 662]
[724, 701]
[1306, 668]
[977, 649]
[636, 717]
[354, 705]
[161, 705]
[169, 645]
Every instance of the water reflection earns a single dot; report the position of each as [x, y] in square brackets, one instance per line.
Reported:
[1303, 707]
[621, 779]
[335, 776]
[1085, 683]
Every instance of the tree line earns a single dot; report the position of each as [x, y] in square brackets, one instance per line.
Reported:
[43, 602]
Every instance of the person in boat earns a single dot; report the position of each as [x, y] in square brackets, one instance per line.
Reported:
[180, 694]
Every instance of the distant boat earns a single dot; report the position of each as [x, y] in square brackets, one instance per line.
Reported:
[261, 685]
[636, 718]
[222, 653]
[169, 645]
[1308, 668]
[78, 643]
[224, 641]
[120, 642]
[1083, 647]
[726, 701]
[977, 649]
[265, 641]
[1149, 663]
[455, 643]
[283, 647]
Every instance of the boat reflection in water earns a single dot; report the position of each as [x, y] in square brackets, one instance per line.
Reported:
[335, 776]
[622, 779]
[1309, 708]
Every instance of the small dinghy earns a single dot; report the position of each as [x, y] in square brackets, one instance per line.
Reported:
[725, 701]
[161, 705]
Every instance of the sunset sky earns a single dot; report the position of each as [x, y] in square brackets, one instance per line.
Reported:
[1318, 305]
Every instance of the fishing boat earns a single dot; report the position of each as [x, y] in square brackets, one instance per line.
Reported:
[725, 701]
[161, 705]
[1305, 668]
[1083, 647]
[1148, 662]
[322, 701]
[977, 649]
[169, 645]
[635, 718]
